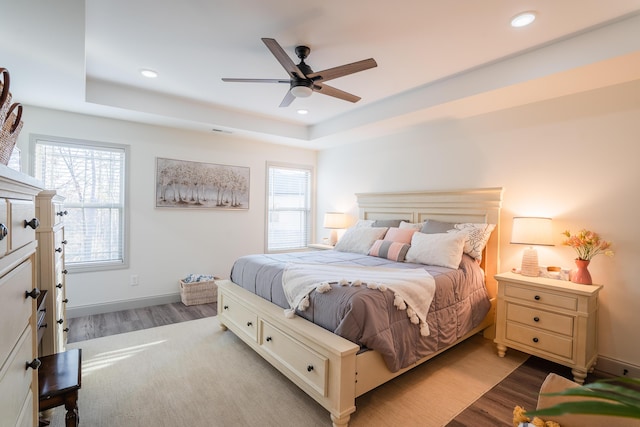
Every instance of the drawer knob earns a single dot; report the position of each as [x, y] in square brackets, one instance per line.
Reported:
[536, 319]
[536, 340]
[59, 286]
[33, 294]
[62, 213]
[44, 325]
[66, 300]
[65, 271]
[268, 339]
[226, 307]
[34, 364]
[309, 368]
[58, 250]
[3, 231]
[249, 323]
[60, 321]
[64, 242]
[34, 223]
[65, 330]
[537, 298]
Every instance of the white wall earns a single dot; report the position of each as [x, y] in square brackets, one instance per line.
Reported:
[167, 244]
[574, 159]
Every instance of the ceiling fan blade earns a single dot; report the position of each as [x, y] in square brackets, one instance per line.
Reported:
[343, 70]
[336, 93]
[256, 80]
[283, 58]
[287, 100]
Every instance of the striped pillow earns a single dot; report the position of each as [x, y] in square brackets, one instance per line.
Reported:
[395, 251]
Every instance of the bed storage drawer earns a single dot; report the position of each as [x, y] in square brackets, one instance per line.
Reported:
[309, 366]
[241, 316]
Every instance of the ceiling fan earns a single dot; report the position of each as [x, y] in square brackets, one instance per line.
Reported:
[304, 81]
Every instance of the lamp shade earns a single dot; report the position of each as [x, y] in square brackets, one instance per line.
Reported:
[532, 231]
[335, 220]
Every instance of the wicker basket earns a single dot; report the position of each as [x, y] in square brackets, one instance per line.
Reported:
[9, 132]
[5, 95]
[203, 292]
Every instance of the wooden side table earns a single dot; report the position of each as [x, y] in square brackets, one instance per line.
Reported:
[59, 379]
[552, 319]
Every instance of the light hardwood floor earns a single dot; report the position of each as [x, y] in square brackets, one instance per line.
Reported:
[493, 409]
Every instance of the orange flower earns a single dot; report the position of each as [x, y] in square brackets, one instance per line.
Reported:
[587, 244]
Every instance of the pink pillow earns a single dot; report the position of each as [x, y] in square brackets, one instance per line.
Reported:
[402, 235]
[395, 251]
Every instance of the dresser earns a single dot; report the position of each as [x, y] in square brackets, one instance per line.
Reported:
[18, 299]
[552, 319]
[51, 269]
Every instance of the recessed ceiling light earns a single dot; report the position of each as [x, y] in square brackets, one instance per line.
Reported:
[523, 19]
[150, 74]
[303, 112]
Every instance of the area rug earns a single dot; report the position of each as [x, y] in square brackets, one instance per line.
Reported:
[194, 374]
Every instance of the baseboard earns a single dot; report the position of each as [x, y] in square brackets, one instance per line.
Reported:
[88, 310]
[617, 368]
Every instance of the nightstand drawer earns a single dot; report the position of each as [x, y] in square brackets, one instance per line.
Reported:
[540, 319]
[533, 295]
[539, 340]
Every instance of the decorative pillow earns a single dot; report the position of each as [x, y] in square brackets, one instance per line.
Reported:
[359, 239]
[401, 235]
[395, 251]
[431, 226]
[417, 226]
[364, 223]
[477, 237]
[443, 249]
[386, 222]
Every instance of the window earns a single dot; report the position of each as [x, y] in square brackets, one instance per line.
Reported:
[91, 177]
[288, 207]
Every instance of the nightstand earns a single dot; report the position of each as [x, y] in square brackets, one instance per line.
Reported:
[553, 319]
[320, 246]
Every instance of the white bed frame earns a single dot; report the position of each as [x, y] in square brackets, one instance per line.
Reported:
[327, 366]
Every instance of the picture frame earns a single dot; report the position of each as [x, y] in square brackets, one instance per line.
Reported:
[197, 185]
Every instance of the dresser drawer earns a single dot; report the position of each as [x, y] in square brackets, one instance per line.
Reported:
[26, 416]
[15, 381]
[540, 319]
[540, 340]
[239, 315]
[58, 213]
[19, 233]
[16, 309]
[303, 362]
[4, 220]
[537, 296]
[58, 246]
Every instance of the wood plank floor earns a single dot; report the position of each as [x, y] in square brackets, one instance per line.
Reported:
[102, 325]
[493, 409]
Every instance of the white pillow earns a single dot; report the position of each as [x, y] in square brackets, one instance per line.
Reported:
[364, 223]
[410, 225]
[477, 237]
[360, 239]
[443, 249]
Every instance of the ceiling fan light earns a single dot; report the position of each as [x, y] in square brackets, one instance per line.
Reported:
[301, 91]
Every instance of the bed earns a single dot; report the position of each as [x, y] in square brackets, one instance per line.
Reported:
[330, 368]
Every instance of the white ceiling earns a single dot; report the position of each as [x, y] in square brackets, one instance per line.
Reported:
[436, 59]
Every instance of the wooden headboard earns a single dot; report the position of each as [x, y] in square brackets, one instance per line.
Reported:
[481, 205]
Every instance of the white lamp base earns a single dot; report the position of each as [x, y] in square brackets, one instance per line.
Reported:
[530, 263]
[333, 238]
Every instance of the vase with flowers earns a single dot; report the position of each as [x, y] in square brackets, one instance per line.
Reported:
[587, 244]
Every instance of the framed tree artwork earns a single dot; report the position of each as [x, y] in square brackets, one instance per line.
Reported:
[198, 185]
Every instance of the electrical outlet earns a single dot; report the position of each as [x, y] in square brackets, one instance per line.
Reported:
[134, 280]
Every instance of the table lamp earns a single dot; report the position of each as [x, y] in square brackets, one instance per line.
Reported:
[335, 221]
[531, 231]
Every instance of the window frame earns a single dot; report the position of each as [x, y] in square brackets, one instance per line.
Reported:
[312, 203]
[86, 267]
